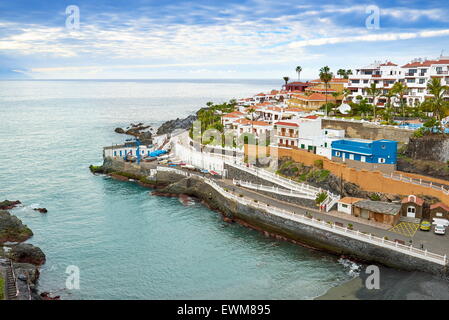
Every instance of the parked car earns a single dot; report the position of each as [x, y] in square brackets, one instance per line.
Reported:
[440, 229]
[425, 225]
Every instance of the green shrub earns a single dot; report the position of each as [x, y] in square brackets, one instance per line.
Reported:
[350, 226]
[320, 197]
[374, 197]
[96, 169]
[318, 163]
[2, 285]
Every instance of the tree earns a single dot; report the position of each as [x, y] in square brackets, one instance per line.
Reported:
[400, 89]
[286, 80]
[344, 73]
[298, 71]
[374, 92]
[346, 92]
[388, 108]
[250, 111]
[326, 76]
[439, 106]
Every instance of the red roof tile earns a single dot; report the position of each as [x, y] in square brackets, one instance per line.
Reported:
[439, 205]
[289, 124]
[413, 199]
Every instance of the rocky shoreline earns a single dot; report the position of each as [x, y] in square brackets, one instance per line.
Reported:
[24, 258]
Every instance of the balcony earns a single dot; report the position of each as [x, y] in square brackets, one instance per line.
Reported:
[287, 134]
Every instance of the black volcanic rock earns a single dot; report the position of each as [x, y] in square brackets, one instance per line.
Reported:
[12, 229]
[171, 125]
[27, 253]
[6, 205]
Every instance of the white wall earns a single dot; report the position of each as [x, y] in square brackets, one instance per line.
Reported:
[341, 208]
[199, 159]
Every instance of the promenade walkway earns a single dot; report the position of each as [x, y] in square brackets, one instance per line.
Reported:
[421, 240]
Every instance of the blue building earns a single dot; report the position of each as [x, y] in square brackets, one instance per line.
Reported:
[366, 154]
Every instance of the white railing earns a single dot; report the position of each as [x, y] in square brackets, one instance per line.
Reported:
[289, 184]
[368, 122]
[323, 225]
[272, 189]
[419, 182]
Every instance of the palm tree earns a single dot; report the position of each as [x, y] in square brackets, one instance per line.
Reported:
[298, 71]
[286, 80]
[348, 73]
[374, 92]
[389, 95]
[400, 89]
[326, 76]
[439, 106]
[250, 111]
[341, 72]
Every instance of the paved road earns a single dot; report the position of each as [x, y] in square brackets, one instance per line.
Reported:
[419, 239]
[432, 242]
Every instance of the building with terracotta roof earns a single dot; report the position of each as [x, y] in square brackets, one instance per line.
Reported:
[296, 86]
[439, 213]
[311, 101]
[412, 207]
[345, 204]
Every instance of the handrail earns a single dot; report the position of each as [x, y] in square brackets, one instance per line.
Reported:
[273, 189]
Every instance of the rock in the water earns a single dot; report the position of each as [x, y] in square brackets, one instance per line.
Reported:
[27, 253]
[6, 205]
[170, 126]
[12, 229]
[41, 210]
[139, 131]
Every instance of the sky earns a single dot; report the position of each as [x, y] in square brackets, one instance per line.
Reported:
[252, 39]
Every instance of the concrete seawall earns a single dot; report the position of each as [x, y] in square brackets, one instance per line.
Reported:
[294, 231]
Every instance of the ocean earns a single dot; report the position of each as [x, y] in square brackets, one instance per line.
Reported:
[126, 243]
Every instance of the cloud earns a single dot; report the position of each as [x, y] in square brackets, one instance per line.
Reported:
[370, 38]
[258, 33]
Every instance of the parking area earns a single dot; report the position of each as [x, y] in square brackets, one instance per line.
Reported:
[407, 229]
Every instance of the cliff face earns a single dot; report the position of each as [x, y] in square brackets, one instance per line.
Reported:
[320, 178]
[432, 148]
[12, 229]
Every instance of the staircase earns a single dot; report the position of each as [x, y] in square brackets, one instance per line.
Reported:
[10, 283]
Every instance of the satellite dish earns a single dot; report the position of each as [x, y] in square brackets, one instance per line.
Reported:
[344, 108]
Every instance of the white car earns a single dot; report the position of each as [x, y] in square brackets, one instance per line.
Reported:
[440, 229]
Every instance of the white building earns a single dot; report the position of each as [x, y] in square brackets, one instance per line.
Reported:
[415, 75]
[345, 204]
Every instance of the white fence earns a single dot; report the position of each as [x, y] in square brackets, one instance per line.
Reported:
[368, 122]
[303, 188]
[330, 227]
[420, 182]
[273, 189]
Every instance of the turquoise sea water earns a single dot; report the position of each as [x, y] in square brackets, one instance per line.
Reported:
[127, 243]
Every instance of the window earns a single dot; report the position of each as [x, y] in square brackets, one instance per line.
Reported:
[303, 146]
[411, 210]
[344, 205]
[337, 153]
[383, 146]
[365, 81]
[351, 156]
[363, 158]
[381, 160]
[325, 144]
[115, 153]
[439, 214]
